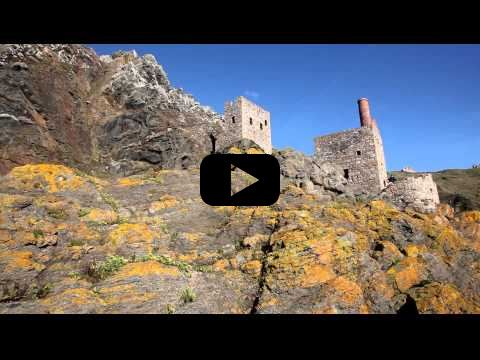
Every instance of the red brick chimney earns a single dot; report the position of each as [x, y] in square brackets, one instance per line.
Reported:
[364, 110]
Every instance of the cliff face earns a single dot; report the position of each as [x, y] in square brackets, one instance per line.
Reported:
[119, 113]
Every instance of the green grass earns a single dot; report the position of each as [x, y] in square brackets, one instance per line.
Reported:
[83, 212]
[38, 234]
[77, 242]
[188, 295]
[170, 309]
[75, 275]
[111, 265]
[166, 260]
[157, 180]
[110, 200]
[57, 214]
[164, 228]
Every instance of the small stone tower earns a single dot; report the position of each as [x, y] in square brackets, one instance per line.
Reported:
[245, 120]
[359, 151]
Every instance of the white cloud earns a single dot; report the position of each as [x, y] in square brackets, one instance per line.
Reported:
[252, 94]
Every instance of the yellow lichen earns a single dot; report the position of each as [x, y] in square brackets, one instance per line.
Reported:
[192, 237]
[220, 265]
[130, 182]
[254, 151]
[100, 216]
[15, 260]
[407, 273]
[252, 241]
[349, 292]
[130, 233]
[315, 274]
[253, 267]
[146, 268]
[165, 202]
[49, 177]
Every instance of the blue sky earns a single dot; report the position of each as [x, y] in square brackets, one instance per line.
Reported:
[425, 98]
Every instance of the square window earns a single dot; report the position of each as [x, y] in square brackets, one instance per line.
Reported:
[359, 153]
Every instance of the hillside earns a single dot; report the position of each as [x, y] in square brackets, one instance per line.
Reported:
[100, 209]
[460, 188]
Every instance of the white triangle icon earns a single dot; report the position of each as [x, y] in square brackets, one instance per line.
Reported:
[244, 172]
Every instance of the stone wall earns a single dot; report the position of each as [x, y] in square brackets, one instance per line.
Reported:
[418, 192]
[245, 120]
[359, 152]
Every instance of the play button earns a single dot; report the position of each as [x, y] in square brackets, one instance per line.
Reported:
[243, 174]
[217, 170]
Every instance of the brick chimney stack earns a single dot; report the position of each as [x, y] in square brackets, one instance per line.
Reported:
[364, 110]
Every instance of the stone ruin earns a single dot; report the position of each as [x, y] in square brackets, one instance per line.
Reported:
[360, 154]
[245, 120]
[417, 192]
[358, 151]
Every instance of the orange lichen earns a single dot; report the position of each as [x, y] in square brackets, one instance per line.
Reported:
[5, 236]
[100, 216]
[220, 265]
[252, 241]
[348, 291]
[165, 202]
[225, 210]
[51, 178]
[193, 237]
[76, 296]
[443, 299]
[340, 213]
[315, 274]
[130, 182]
[407, 273]
[146, 268]
[253, 267]
[414, 250]
[15, 260]
[130, 233]
[254, 151]
[234, 150]
[7, 200]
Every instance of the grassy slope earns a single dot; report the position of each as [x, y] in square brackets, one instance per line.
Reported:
[457, 187]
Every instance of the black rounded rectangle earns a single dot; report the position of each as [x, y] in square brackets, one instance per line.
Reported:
[215, 179]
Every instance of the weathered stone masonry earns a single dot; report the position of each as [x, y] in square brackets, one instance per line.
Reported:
[245, 120]
[359, 151]
[418, 192]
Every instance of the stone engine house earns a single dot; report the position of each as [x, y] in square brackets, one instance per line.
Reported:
[246, 120]
[358, 151]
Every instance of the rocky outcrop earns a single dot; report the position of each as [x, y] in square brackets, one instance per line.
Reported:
[118, 114]
[322, 178]
[74, 243]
